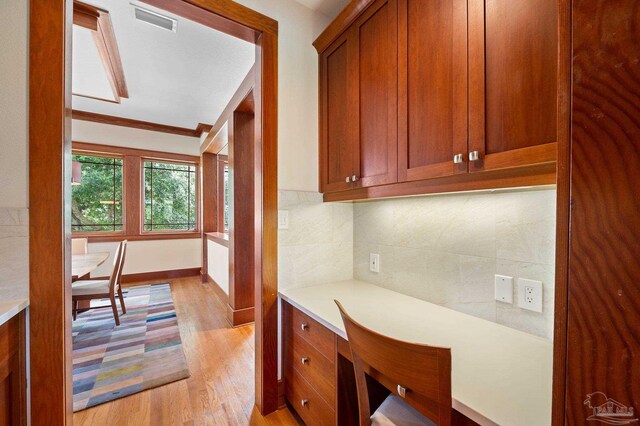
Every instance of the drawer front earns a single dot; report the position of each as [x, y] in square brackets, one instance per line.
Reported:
[307, 403]
[316, 334]
[317, 370]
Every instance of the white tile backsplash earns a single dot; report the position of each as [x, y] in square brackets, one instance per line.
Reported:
[14, 253]
[317, 247]
[446, 249]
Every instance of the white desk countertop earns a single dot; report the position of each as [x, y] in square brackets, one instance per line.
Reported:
[499, 375]
[10, 308]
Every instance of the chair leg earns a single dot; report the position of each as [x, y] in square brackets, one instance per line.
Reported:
[124, 308]
[114, 307]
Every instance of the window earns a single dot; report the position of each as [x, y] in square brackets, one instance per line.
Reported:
[226, 197]
[224, 194]
[96, 203]
[169, 196]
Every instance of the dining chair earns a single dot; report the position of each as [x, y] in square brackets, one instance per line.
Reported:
[103, 289]
[79, 245]
[418, 376]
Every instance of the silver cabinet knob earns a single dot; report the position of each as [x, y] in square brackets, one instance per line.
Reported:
[304, 402]
[304, 360]
[348, 179]
[354, 178]
[474, 156]
[458, 158]
[304, 326]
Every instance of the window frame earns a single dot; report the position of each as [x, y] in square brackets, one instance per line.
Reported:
[222, 161]
[196, 212]
[133, 192]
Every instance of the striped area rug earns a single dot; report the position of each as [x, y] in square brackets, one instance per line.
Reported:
[143, 352]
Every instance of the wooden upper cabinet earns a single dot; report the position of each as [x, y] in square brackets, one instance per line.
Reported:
[376, 70]
[432, 88]
[338, 125]
[358, 101]
[513, 76]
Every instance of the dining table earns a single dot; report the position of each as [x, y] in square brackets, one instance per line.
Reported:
[83, 264]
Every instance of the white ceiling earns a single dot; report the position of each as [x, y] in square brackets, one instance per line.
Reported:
[331, 8]
[179, 79]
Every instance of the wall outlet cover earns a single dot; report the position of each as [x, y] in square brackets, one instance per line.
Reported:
[504, 288]
[530, 294]
[374, 262]
[283, 219]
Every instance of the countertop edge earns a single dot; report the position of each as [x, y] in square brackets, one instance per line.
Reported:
[11, 308]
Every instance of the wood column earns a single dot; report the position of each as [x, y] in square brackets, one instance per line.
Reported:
[603, 322]
[241, 233]
[49, 207]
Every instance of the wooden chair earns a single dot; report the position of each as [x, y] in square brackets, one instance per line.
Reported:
[102, 289]
[79, 245]
[418, 376]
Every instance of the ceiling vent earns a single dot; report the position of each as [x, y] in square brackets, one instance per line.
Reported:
[154, 18]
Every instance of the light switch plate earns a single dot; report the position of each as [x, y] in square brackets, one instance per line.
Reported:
[504, 289]
[283, 219]
[530, 294]
[374, 262]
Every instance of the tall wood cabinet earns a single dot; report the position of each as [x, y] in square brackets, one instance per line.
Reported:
[463, 92]
[358, 91]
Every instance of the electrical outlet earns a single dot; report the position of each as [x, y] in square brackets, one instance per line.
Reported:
[504, 288]
[374, 262]
[530, 294]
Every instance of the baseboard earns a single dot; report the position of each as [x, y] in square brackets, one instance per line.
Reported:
[282, 402]
[156, 275]
[224, 298]
[238, 317]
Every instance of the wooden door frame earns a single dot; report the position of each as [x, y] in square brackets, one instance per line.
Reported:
[50, 170]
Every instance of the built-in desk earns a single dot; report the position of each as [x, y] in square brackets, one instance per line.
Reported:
[499, 375]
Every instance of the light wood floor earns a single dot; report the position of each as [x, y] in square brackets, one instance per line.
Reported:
[220, 390]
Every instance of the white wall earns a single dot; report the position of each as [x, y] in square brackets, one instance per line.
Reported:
[218, 264]
[106, 134]
[151, 256]
[14, 214]
[298, 27]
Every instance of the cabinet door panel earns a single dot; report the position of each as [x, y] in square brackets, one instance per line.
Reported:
[432, 45]
[338, 132]
[513, 56]
[376, 36]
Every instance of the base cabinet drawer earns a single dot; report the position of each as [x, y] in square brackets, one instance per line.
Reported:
[319, 336]
[306, 401]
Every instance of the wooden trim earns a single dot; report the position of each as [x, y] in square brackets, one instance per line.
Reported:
[104, 237]
[224, 298]
[210, 143]
[544, 174]
[157, 275]
[139, 124]
[282, 400]
[218, 238]
[220, 165]
[49, 154]
[93, 148]
[49, 197]
[348, 15]
[563, 198]
[239, 317]
[13, 369]
[99, 22]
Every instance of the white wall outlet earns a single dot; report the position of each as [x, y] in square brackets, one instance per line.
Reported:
[283, 219]
[530, 294]
[504, 289]
[374, 262]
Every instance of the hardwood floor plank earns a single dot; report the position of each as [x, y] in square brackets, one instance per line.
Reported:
[220, 390]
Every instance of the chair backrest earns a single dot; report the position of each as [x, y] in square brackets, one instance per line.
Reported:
[79, 245]
[115, 283]
[418, 374]
[114, 279]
